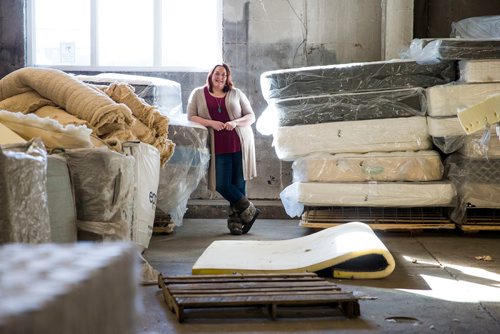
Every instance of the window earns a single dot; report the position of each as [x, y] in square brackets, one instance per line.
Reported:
[125, 34]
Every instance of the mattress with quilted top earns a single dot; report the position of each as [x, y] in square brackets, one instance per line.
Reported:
[374, 166]
[384, 135]
[354, 77]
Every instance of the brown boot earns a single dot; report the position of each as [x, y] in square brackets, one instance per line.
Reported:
[247, 213]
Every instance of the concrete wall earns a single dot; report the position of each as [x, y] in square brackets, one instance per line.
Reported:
[276, 34]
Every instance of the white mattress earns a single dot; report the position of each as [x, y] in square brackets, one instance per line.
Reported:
[384, 135]
[444, 127]
[447, 100]
[392, 194]
[374, 166]
[480, 70]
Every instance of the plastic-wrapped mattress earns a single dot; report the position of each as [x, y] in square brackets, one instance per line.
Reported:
[447, 100]
[371, 194]
[384, 135]
[350, 106]
[480, 70]
[429, 49]
[321, 80]
[477, 180]
[187, 166]
[162, 93]
[374, 166]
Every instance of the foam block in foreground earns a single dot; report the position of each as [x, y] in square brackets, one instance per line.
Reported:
[350, 250]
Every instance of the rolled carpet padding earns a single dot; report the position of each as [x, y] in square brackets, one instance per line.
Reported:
[72, 288]
[373, 166]
[350, 106]
[350, 250]
[383, 135]
[354, 77]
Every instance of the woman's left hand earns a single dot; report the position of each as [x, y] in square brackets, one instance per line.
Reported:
[230, 125]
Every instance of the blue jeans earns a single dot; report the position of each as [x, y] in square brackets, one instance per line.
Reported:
[230, 182]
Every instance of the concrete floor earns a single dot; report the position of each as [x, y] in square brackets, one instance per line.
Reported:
[438, 285]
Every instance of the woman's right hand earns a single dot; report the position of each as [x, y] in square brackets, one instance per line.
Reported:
[217, 126]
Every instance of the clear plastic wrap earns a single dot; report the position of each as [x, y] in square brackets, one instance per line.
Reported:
[350, 106]
[477, 182]
[147, 178]
[104, 190]
[383, 135]
[480, 27]
[24, 211]
[367, 194]
[162, 93]
[480, 70]
[433, 51]
[448, 100]
[183, 172]
[374, 166]
[72, 288]
[331, 79]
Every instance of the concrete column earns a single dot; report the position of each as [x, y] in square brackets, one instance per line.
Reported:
[397, 27]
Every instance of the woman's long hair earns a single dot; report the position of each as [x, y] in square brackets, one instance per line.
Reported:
[229, 82]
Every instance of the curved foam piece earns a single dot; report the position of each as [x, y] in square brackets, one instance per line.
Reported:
[350, 250]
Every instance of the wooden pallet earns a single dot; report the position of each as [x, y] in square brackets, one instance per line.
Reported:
[269, 290]
[481, 219]
[378, 218]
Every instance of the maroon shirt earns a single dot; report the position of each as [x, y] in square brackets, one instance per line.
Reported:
[226, 141]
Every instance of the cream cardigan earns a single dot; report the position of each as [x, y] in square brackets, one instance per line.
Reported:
[237, 105]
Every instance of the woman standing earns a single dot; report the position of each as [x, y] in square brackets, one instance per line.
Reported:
[227, 113]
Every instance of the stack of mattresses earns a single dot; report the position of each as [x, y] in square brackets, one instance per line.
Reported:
[104, 183]
[445, 102]
[476, 177]
[183, 172]
[78, 288]
[357, 134]
[162, 93]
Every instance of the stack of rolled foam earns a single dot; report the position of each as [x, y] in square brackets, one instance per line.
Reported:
[349, 129]
[77, 288]
[183, 172]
